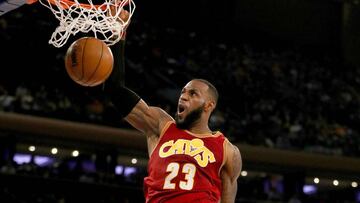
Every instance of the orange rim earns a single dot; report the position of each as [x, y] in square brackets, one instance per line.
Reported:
[31, 1]
[65, 4]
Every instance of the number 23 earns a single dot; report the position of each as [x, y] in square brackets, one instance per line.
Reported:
[173, 168]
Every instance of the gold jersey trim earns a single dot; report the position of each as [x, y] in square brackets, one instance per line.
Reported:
[166, 126]
[202, 135]
[225, 144]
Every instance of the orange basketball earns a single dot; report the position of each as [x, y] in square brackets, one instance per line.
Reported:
[89, 61]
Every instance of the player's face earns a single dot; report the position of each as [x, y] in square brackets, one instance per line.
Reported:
[191, 103]
[190, 119]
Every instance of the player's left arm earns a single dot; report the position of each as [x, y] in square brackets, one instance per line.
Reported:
[230, 172]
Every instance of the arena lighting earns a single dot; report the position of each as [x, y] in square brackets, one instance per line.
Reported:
[54, 150]
[354, 184]
[133, 160]
[316, 180]
[75, 153]
[119, 169]
[244, 173]
[22, 158]
[335, 182]
[309, 189]
[43, 160]
[32, 148]
[128, 171]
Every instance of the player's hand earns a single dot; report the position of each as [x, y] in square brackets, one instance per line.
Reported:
[124, 15]
[123, 19]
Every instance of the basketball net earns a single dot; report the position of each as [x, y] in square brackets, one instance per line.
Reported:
[77, 17]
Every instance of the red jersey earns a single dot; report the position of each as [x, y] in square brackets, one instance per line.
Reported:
[185, 167]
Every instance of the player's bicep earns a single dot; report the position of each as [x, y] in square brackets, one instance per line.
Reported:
[140, 117]
[235, 162]
[230, 173]
[147, 119]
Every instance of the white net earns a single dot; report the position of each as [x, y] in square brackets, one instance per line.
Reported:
[76, 17]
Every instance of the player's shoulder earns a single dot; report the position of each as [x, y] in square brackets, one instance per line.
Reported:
[230, 144]
[163, 117]
[232, 151]
[233, 159]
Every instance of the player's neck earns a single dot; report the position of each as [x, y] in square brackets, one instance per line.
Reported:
[199, 128]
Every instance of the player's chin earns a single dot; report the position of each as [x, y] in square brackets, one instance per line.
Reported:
[179, 117]
[180, 123]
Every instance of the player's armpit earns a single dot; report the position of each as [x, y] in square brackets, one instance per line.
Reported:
[230, 173]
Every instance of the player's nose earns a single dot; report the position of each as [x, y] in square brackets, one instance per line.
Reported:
[184, 97]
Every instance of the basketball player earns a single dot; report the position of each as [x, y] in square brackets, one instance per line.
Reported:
[188, 161]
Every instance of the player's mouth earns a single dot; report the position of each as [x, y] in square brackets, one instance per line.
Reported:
[181, 109]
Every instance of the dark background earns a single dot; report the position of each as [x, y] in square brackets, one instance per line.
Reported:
[314, 29]
[321, 26]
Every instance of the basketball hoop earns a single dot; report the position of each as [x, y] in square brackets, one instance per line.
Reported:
[77, 17]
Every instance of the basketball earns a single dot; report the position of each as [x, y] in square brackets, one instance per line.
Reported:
[89, 61]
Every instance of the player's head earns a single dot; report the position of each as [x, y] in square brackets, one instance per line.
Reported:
[197, 101]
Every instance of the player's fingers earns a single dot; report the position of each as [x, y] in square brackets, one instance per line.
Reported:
[113, 7]
[124, 15]
[111, 11]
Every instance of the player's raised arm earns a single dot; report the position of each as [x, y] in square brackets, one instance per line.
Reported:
[230, 173]
[149, 120]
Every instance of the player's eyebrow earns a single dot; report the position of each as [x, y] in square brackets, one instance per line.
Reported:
[192, 89]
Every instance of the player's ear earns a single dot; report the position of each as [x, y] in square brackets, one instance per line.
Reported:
[210, 105]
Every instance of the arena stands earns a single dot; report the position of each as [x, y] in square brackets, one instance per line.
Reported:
[288, 97]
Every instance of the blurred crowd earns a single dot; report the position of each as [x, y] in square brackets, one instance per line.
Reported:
[65, 180]
[274, 96]
[271, 94]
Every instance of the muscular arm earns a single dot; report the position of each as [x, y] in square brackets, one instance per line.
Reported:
[230, 173]
[149, 120]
